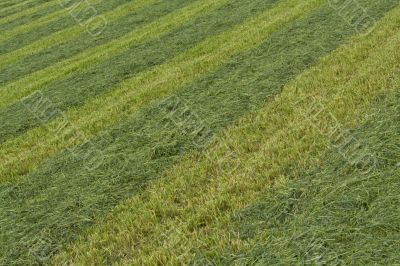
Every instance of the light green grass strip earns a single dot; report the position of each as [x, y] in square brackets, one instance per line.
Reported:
[22, 154]
[28, 11]
[68, 33]
[22, 87]
[47, 19]
[190, 209]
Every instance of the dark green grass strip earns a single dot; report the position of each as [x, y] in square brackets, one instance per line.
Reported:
[74, 90]
[334, 215]
[84, 41]
[116, 29]
[62, 198]
[18, 7]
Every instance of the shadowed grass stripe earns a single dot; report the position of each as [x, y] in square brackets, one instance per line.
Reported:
[77, 88]
[84, 60]
[67, 198]
[39, 22]
[29, 11]
[68, 33]
[147, 86]
[190, 210]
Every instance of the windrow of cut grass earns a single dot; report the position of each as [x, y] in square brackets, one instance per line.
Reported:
[30, 11]
[335, 213]
[65, 197]
[18, 7]
[189, 211]
[76, 89]
[69, 34]
[29, 24]
[128, 97]
[30, 83]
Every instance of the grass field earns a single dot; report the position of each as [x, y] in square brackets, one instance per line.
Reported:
[200, 132]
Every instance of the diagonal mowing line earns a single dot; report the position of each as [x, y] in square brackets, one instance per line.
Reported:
[44, 20]
[129, 96]
[68, 33]
[134, 226]
[28, 11]
[20, 88]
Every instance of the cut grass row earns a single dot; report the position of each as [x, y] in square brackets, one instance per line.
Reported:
[30, 83]
[70, 34]
[136, 92]
[190, 210]
[46, 19]
[333, 214]
[76, 89]
[64, 198]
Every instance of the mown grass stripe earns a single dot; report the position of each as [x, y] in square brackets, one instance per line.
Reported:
[76, 89]
[190, 210]
[68, 198]
[67, 34]
[82, 61]
[132, 94]
[29, 11]
[313, 216]
[39, 22]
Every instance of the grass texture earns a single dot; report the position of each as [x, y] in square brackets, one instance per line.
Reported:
[335, 213]
[62, 36]
[141, 89]
[74, 90]
[30, 83]
[199, 132]
[46, 19]
[63, 198]
[14, 12]
[187, 214]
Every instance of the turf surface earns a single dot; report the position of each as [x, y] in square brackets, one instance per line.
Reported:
[162, 188]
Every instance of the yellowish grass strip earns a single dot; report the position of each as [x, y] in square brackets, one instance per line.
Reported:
[68, 33]
[22, 87]
[22, 154]
[28, 11]
[47, 19]
[190, 209]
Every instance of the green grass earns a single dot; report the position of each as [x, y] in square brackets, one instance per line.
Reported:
[335, 213]
[127, 97]
[184, 136]
[50, 207]
[49, 17]
[71, 40]
[74, 90]
[22, 6]
[28, 15]
[189, 212]
[23, 87]
[59, 26]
